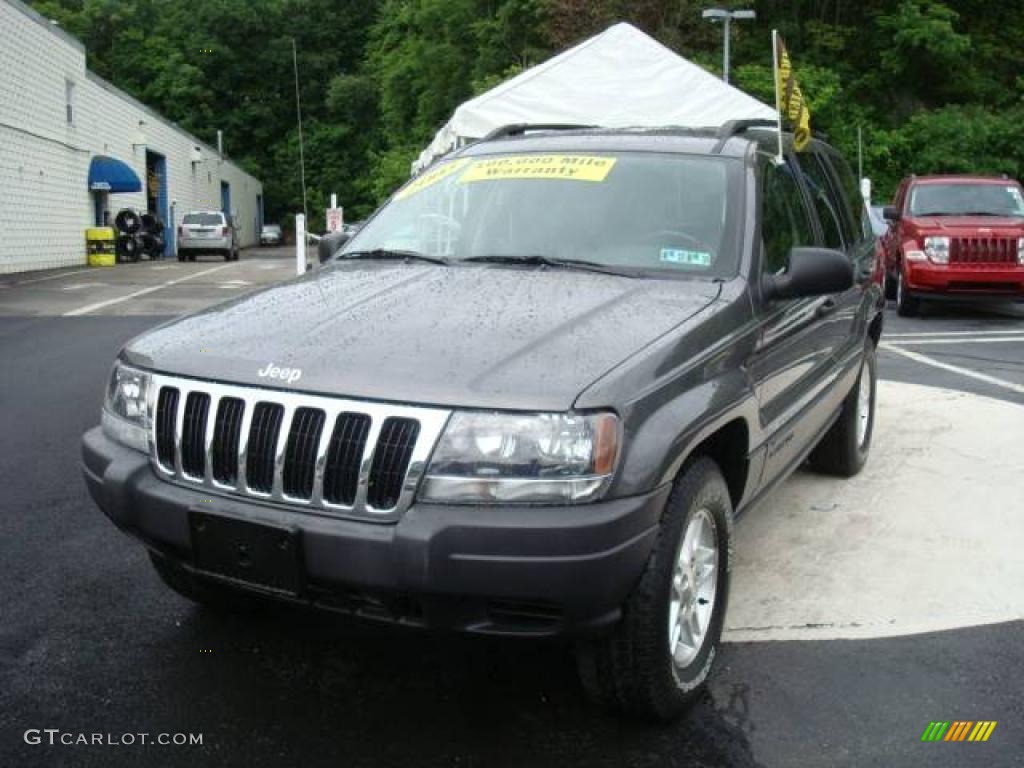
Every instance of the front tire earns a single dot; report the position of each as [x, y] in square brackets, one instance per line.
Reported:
[844, 449]
[906, 304]
[655, 662]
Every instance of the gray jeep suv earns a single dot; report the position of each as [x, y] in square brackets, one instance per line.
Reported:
[528, 398]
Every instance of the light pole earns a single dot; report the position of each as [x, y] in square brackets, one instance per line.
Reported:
[726, 17]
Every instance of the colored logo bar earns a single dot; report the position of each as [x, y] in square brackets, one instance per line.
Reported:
[959, 730]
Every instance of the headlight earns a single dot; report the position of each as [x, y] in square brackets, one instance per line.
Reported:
[125, 418]
[937, 249]
[1020, 251]
[531, 458]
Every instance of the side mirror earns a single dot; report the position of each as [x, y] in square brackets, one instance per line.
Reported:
[811, 272]
[891, 213]
[330, 244]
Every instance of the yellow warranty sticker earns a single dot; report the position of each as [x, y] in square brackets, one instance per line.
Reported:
[574, 167]
[431, 177]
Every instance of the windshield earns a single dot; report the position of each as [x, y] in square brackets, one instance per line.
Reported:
[668, 213]
[203, 219]
[964, 199]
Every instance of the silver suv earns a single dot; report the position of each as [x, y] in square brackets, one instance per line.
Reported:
[207, 232]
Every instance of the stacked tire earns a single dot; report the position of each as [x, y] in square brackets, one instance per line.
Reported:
[152, 236]
[138, 235]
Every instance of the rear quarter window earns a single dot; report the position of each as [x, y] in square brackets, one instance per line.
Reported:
[857, 210]
[823, 196]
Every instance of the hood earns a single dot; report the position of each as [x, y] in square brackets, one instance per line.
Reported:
[967, 226]
[479, 337]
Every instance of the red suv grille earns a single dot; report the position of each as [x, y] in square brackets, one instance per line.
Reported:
[983, 250]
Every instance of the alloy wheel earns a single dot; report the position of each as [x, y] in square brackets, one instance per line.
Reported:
[694, 585]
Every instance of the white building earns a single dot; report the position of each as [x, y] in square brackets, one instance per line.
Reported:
[59, 124]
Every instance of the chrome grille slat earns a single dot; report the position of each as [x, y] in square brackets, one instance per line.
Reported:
[298, 473]
[390, 460]
[284, 426]
[318, 453]
[193, 434]
[261, 468]
[342, 462]
[223, 453]
[326, 434]
[365, 462]
[163, 438]
[179, 424]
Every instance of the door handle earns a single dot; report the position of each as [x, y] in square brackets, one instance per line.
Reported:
[827, 307]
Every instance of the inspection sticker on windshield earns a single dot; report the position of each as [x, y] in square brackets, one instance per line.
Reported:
[572, 167]
[431, 177]
[686, 258]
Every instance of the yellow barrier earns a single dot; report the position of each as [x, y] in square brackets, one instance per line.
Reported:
[99, 245]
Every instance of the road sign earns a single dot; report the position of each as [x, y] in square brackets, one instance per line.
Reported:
[335, 219]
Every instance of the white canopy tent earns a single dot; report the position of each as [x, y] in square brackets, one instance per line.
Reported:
[619, 78]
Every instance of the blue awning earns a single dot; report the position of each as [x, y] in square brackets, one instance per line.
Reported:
[109, 175]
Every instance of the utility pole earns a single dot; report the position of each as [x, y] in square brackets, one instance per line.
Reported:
[298, 111]
[726, 17]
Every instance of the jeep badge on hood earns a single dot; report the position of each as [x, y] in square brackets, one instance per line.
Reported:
[290, 375]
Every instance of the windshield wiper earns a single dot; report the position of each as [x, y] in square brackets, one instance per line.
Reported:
[392, 254]
[537, 260]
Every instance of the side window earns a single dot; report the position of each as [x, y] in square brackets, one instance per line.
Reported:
[825, 203]
[857, 209]
[784, 221]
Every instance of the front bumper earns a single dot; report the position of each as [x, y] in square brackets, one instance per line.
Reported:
[927, 280]
[537, 571]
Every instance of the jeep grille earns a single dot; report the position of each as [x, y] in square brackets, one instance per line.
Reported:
[336, 456]
[983, 250]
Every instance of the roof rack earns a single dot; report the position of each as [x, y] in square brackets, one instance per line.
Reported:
[518, 129]
[736, 127]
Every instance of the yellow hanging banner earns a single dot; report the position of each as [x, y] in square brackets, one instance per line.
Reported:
[789, 98]
[571, 167]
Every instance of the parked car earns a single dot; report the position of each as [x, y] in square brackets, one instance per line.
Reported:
[207, 232]
[954, 237]
[528, 399]
[271, 234]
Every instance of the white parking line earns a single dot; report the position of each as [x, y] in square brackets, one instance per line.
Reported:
[925, 360]
[923, 335]
[52, 277]
[110, 302]
[962, 340]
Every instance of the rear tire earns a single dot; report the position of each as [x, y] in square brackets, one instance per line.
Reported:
[647, 667]
[844, 449]
[906, 304]
[204, 592]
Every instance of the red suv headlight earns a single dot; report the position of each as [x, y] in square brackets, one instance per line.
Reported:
[937, 249]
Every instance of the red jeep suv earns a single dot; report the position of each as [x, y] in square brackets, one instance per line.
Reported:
[954, 237]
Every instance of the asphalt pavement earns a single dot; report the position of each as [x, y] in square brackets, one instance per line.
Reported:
[92, 643]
